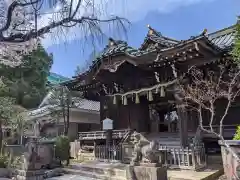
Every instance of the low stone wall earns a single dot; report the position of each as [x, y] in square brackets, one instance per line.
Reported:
[82, 156]
[146, 173]
[4, 172]
[46, 153]
[15, 150]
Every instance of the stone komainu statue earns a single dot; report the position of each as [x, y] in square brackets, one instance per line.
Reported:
[30, 157]
[144, 151]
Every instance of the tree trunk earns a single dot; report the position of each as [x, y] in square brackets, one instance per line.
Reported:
[68, 111]
[62, 103]
[66, 115]
[1, 137]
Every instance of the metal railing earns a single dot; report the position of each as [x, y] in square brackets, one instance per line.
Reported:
[108, 153]
[171, 157]
[187, 158]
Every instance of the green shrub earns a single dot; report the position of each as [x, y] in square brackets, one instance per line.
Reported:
[237, 134]
[62, 148]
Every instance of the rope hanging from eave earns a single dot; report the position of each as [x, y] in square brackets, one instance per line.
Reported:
[157, 86]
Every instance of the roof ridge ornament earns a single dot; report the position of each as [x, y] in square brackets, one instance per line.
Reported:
[111, 42]
[238, 19]
[152, 31]
[204, 33]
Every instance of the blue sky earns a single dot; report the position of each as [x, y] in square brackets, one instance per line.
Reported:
[177, 19]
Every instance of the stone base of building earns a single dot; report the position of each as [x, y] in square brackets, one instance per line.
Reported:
[147, 173]
[29, 175]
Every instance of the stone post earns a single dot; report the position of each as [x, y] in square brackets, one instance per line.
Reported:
[30, 169]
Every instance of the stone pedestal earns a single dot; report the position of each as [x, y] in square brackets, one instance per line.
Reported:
[147, 173]
[30, 175]
[230, 163]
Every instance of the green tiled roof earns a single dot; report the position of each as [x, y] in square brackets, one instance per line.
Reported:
[54, 78]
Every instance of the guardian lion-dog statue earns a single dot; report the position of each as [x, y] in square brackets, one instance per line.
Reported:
[144, 151]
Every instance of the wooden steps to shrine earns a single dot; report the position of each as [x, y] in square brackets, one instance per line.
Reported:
[166, 139]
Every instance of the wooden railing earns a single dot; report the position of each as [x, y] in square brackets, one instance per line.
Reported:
[116, 134]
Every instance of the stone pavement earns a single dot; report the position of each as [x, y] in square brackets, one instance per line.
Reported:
[70, 177]
[65, 177]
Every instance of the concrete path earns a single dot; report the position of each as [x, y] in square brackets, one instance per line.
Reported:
[70, 177]
[65, 177]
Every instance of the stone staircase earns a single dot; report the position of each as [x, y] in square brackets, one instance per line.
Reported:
[167, 139]
[97, 170]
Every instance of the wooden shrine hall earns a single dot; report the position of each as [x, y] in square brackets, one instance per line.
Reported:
[137, 88]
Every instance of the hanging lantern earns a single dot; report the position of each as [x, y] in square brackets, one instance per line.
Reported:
[114, 100]
[125, 100]
[157, 90]
[150, 96]
[137, 101]
[162, 93]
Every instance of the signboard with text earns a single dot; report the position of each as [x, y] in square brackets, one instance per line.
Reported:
[107, 124]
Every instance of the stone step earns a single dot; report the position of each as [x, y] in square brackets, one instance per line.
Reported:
[100, 168]
[94, 175]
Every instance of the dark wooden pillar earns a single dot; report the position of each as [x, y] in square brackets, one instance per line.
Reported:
[109, 137]
[182, 115]
[102, 110]
[183, 128]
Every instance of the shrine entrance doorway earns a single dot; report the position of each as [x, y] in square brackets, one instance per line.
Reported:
[163, 118]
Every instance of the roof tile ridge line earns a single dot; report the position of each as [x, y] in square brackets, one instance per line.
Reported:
[221, 30]
[169, 38]
[215, 47]
[159, 34]
[85, 99]
[164, 37]
[68, 81]
[59, 75]
[124, 52]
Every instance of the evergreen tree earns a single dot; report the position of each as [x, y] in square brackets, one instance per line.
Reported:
[11, 115]
[27, 82]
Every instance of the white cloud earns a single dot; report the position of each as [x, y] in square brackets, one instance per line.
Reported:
[133, 10]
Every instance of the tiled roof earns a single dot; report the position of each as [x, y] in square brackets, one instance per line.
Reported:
[54, 78]
[78, 103]
[120, 47]
[223, 38]
[51, 102]
[42, 111]
[163, 40]
[86, 104]
[220, 40]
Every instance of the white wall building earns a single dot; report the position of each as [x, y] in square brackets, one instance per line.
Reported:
[84, 115]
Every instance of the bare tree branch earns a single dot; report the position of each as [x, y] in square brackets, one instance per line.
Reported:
[204, 91]
[20, 21]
